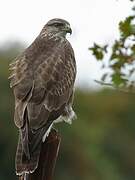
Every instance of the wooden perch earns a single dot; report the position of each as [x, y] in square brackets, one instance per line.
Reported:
[48, 157]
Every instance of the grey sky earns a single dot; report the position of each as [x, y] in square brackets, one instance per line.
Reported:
[91, 21]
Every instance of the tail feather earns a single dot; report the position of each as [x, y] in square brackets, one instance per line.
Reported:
[28, 149]
[25, 139]
[35, 137]
[23, 164]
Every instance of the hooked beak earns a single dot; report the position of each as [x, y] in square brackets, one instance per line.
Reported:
[68, 29]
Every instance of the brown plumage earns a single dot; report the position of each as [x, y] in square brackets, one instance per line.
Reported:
[42, 78]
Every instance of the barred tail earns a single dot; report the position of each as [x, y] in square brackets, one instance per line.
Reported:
[22, 163]
[28, 149]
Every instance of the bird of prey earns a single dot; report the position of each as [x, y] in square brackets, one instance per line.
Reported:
[42, 78]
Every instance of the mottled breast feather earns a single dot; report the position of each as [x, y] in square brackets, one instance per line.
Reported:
[43, 74]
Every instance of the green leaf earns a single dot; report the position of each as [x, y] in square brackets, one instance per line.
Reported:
[98, 51]
[126, 27]
[117, 79]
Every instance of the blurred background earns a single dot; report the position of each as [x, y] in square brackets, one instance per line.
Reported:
[100, 144]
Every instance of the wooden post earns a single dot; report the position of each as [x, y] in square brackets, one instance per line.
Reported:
[48, 157]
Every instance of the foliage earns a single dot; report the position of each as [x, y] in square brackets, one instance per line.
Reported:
[98, 51]
[120, 66]
[99, 145]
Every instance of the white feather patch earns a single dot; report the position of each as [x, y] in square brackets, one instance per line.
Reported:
[47, 133]
[69, 118]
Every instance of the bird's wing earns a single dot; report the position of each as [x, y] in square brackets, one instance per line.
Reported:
[21, 82]
[47, 81]
[53, 83]
[42, 83]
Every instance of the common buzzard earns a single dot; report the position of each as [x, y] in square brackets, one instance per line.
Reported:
[42, 79]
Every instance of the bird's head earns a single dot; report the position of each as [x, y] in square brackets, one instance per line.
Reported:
[58, 27]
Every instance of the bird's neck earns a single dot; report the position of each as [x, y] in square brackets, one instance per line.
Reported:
[53, 35]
